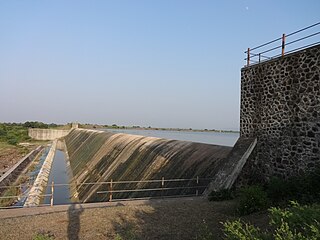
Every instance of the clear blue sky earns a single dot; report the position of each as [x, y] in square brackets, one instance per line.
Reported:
[162, 63]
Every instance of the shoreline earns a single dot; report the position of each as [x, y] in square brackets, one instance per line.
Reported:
[156, 129]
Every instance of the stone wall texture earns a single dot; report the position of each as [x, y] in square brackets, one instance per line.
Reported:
[280, 105]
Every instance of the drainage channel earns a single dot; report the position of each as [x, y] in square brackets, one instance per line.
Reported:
[58, 175]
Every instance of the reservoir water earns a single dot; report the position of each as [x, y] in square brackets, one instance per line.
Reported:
[59, 175]
[217, 138]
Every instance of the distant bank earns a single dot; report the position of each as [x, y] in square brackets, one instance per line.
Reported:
[114, 126]
[208, 137]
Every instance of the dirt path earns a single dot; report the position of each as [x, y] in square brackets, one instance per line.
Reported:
[167, 219]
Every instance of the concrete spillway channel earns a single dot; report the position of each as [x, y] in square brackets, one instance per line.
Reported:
[54, 169]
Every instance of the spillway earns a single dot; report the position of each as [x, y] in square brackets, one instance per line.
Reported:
[97, 156]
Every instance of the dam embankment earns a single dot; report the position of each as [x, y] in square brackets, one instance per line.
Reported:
[97, 156]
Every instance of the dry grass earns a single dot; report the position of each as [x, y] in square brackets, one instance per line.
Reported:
[174, 219]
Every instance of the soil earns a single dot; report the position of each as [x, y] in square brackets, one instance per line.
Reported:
[166, 219]
[10, 154]
[8, 157]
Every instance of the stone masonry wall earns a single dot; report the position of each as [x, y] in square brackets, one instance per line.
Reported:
[280, 105]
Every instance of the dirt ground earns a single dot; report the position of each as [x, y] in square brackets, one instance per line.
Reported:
[10, 155]
[167, 219]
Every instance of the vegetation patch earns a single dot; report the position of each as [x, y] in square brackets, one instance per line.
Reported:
[44, 235]
[8, 196]
[252, 199]
[297, 222]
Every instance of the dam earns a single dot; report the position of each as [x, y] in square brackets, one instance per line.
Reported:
[98, 156]
[279, 136]
[92, 165]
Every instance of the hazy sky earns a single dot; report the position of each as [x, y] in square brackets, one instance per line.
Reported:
[162, 63]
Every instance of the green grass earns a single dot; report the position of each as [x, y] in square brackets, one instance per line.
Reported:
[12, 191]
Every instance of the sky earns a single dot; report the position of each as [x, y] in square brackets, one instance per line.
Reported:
[164, 63]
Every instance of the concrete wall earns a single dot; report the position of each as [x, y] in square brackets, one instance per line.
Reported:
[39, 185]
[46, 134]
[280, 105]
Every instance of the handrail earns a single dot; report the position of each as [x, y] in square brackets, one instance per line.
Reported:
[111, 190]
[255, 58]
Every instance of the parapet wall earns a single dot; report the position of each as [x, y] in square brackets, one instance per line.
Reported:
[47, 134]
[280, 105]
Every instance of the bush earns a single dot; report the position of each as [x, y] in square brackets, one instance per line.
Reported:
[279, 190]
[305, 189]
[297, 217]
[252, 199]
[237, 230]
[295, 223]
[12, 140]
[224, 194]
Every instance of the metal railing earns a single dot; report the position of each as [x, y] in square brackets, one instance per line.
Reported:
[24, 196]
[110, 193]
[161, 188]
[271, 49]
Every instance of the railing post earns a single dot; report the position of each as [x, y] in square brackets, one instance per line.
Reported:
[248, 57]
[197, 191]
[162, 186]
[110, 196]
[283, 44]
[259, 57]
[52, 190]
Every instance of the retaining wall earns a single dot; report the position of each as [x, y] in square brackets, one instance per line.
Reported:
[41, 181]
[47, 134]
[280, 106]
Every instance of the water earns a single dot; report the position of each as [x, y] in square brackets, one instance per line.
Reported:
[59, 175]
[217, 138]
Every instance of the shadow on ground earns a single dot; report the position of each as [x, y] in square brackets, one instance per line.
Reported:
[74, 212]
[168, 220]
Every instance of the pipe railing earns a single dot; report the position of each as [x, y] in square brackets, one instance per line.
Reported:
[282, 43]
[111, 190]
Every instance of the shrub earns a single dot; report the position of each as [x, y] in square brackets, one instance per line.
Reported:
[12, 140]
[252, 199]
[305, 189]
[237, 230]
[221, 195]
[295, 223]
[279, 190]
[297, 217]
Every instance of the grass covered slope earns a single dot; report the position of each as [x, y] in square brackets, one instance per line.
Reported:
[97, 156]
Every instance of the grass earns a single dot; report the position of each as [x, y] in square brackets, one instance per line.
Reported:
[12, 191]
